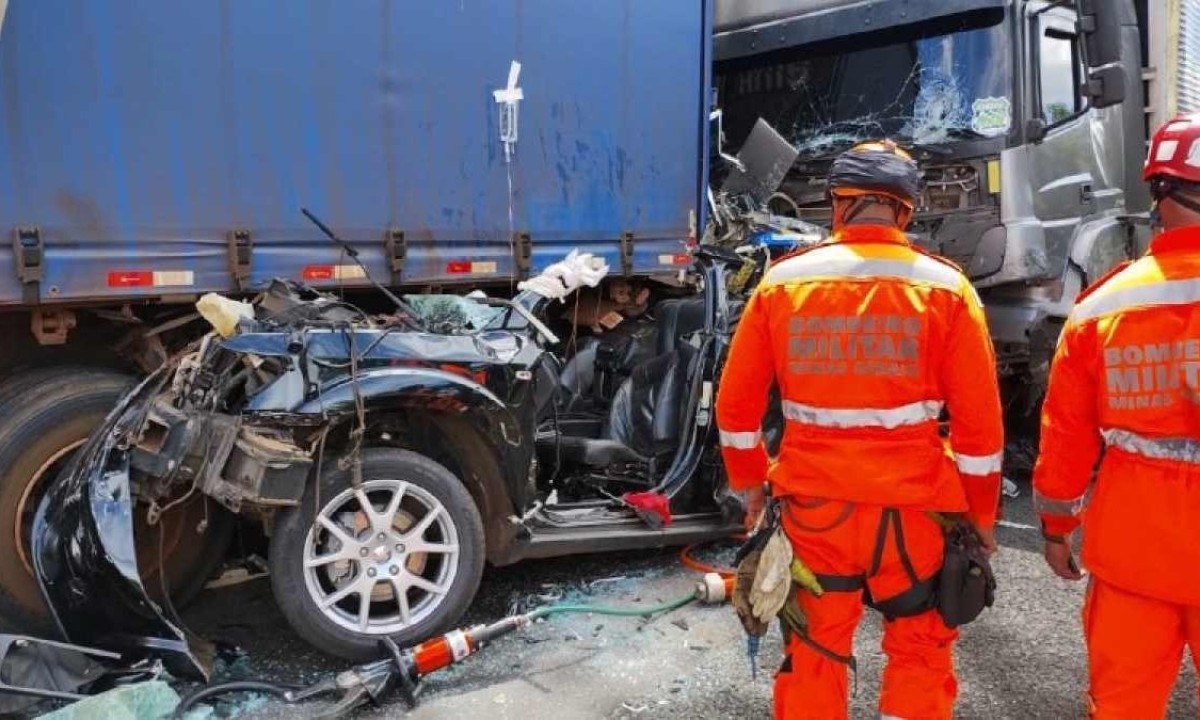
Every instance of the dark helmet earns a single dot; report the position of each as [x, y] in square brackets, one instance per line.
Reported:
[876, 168]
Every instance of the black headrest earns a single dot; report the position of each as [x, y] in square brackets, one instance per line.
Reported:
[678, 318]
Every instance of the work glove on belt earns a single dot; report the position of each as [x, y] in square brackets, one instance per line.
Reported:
[747, 562]
[769, 576]
[772, 580]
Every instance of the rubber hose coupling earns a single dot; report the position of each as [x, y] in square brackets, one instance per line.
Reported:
[714, 589]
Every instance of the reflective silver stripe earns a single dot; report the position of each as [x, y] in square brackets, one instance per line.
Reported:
[1177, 449]
[979, 464]
[911, 414]
[741, 440]
[1167, 292]
[840, 261]
[1050, 506]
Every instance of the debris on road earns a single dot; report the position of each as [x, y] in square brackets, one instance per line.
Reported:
[152, 699]
[34, 669]
[403, 671]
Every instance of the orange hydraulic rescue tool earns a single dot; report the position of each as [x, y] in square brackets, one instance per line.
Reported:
[401, 670]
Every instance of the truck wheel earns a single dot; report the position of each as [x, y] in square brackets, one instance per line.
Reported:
[402, 555]
[45, 416]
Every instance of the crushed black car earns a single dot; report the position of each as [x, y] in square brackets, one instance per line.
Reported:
[388, 457]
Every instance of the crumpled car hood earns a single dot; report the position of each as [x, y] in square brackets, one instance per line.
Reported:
[491, 346]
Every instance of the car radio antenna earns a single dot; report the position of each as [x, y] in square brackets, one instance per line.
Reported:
[350, 251]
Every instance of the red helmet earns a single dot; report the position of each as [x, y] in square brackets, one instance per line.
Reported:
[1175, 151]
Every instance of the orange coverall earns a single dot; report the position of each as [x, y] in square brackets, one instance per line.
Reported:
[868, 339]
[1126, 380]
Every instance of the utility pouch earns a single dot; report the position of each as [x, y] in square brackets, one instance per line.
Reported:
[967, 584]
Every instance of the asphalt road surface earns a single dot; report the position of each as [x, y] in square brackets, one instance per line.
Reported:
[1022, 659]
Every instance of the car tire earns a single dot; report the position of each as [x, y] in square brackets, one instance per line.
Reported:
[299, 541]
[47, 414]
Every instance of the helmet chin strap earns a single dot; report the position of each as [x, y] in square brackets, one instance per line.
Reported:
[1184, 200]
[857, 205]
[860, 203]
[1170, 189]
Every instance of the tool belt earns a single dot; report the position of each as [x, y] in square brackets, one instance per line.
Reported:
[961, 589]
[921, 595]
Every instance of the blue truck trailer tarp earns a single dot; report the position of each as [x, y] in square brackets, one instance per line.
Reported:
[154, 149]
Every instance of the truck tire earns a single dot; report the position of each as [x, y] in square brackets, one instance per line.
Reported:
[407, 568]
[45, 415]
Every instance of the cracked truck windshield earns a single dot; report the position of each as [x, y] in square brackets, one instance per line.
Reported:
[927, 91]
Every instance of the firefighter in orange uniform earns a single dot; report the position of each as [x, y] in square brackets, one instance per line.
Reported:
[1125, 391]
[869, 339]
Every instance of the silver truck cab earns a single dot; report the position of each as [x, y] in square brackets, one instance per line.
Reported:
[1027, 117]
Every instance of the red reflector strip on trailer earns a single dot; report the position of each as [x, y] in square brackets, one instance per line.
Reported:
[151, 278]
[466, 267]
[678, 259]
[332, 272]
[131, 278]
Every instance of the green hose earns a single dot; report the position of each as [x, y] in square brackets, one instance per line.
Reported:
[621, 612]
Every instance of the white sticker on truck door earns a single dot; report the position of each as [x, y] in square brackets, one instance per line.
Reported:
[991, 116]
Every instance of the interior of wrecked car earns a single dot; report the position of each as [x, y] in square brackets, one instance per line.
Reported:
[613, 394]
[622, 396]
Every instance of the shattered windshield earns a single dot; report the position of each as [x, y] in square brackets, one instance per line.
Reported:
[927, 91]
[452, 313]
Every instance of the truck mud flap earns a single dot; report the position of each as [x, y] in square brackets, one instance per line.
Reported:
[84, 556]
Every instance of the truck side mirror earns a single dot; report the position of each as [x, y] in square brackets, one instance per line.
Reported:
[1101, 25]
[1035, 129]
[1105, 86]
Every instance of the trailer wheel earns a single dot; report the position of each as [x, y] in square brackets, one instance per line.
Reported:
[45, 416]
[401, 555]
